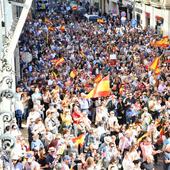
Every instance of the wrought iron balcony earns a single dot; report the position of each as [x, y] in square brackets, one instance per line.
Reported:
[147, 2]
[138, 1]
[160, 3]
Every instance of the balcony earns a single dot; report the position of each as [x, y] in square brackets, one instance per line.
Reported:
[160, 3]
[156, 3]
[139, 1]
[147, 2]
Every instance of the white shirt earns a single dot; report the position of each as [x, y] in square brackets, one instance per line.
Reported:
[84, 104]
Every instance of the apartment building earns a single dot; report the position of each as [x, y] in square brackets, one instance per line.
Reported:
[154, 14]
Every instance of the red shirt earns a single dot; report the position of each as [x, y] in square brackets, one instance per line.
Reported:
[76, 116]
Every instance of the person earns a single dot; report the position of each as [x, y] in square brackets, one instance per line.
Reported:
[90, 165]
[36, 143]
[50, 159]
[112, 125]
[66, 161]
[148, 164]
[19, 107]
[30, 163]
[167, 157]
[113, 164]
[127, 162]
[16, 163]
[42, 158]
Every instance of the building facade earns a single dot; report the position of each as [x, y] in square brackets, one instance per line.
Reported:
[109, 7]
[11, 24]
[154, 14]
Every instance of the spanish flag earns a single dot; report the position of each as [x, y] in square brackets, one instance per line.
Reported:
[98, 78]
[102, 89]
[157, 71]
[62, 28]
[73, 74]
[164, 42]
[79, 140]
[155, 63]
[57, 62]
[100, 21]
[51, 28]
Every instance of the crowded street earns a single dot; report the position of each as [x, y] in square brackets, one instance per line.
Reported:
[95, 94]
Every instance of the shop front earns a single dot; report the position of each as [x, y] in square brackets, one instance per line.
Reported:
[147, 18]
[159, 25]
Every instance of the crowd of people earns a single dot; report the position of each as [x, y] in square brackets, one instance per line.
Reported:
[129, 129]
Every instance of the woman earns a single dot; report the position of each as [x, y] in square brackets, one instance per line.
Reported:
[148, 164]
[113, 164]
[127, 162]
[46, 98]
[66, 119]
[42, 158]
[90, 165]
[25, 101]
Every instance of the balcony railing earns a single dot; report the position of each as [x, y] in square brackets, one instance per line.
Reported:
[160, 3]
[147, 2]
[138, 0]
[156, 3]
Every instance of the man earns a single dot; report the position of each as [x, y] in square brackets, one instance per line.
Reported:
[19, 108]
[50, 159]
[66, 162]
[36, 143]
[167, 157]
[30, 162]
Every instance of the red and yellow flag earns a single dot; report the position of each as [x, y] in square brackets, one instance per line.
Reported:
[164, 42]
[157, 71]
[79, 140]
[100, 21]
[98, 78]
[102, 89]
[62, 28]
[73, 74]
[155, 63]
[51, 28]
[57, 62]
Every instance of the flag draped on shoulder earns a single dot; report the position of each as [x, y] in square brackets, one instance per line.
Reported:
[102, 89]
